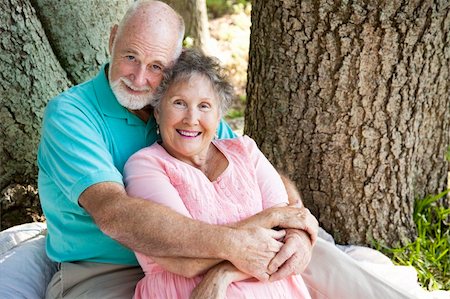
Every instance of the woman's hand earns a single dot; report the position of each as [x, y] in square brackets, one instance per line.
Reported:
[300, 227]
[216, 281]
[293, 257]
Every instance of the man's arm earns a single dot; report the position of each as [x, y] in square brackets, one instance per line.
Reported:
[156, 230]
[191, 267]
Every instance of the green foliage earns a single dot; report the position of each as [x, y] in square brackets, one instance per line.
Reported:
[218, 8]
[243, 99]
[429, 253]
[235, 113]
[188, 42]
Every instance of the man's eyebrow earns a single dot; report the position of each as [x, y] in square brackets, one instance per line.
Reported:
[156, 61]
[130, 51]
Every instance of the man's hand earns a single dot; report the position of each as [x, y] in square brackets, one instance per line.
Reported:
[284, 217]
[293, 257]
[253, 248]
[257, 243]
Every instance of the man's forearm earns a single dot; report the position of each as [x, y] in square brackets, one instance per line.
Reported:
[156, 230]
[153, 229]
[167, 233]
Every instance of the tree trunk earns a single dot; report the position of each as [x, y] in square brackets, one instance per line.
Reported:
[352, 102]
[31, 74]
[78, 32]
[196, 20]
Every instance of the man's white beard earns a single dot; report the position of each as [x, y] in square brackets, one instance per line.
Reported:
[131, 101]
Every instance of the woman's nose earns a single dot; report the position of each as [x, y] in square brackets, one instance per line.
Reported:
[191, 117]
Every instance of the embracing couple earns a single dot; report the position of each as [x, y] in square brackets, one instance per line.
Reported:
[148, 193]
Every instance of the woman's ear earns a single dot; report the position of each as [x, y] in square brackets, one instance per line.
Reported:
[156, 114]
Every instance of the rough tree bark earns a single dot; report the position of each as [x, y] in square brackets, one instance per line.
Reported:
[351, 100]
[195, 17]
[79, 32]
[31, 74]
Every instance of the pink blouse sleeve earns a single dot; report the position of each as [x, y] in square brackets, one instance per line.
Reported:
[144, 177]
[269, 181]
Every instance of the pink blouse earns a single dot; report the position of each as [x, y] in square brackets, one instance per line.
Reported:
[248, 185]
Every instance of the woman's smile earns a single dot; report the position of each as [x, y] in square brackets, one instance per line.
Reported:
[189, 134]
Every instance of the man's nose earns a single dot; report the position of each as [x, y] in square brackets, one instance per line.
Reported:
[140, 76]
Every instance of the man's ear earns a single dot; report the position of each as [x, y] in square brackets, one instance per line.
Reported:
[112, 37]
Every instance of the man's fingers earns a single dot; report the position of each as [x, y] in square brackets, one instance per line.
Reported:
[292, 217]
[301, 219]
[278, 234]
[258, 248]
[274, 245]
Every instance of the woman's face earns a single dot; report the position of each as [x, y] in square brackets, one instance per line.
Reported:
[188, 117]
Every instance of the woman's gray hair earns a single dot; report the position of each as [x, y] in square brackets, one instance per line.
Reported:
[194, 62]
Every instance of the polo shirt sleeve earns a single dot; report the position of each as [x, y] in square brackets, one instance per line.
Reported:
[73, 153]
[269, 181]
[224, 131]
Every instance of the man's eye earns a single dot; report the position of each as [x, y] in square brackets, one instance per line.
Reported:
[156, 68]
[130, 58]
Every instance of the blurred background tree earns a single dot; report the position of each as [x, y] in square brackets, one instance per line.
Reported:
[195, 19]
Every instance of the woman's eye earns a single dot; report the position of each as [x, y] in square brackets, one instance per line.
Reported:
[205, 106]
[179, 104]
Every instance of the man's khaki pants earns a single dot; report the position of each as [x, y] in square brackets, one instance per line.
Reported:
[330, 274]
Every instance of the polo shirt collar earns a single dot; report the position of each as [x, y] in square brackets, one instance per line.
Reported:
[108, 102]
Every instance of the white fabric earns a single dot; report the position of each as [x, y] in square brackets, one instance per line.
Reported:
[25, 269]
[375, 267]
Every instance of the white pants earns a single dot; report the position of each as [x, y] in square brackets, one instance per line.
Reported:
[333, 274]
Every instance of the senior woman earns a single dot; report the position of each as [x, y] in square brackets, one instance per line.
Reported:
[215, 181]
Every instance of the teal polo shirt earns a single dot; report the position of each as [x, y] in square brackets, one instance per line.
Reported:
[86, 138]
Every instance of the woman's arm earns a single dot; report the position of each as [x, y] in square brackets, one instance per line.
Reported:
[184, 266]
[298, 243]
[216, 281]
[296, 253]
